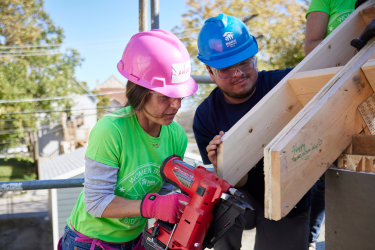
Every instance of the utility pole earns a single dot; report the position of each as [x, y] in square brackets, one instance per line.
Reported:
[143, 10]
[154, 14]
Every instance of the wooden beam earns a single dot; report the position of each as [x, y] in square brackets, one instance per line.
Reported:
[368, 14]
[315, 137]
[307, 84]
[358, 163]
[243, 144]
[369, 71]
[363, 145]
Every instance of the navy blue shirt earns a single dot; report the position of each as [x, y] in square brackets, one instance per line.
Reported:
[214, 114]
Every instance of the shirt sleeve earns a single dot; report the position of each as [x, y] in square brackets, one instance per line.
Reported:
[99, 186]
[203, 135]
[318, 5]
[105, 143]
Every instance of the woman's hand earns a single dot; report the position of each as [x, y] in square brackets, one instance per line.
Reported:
[212, 149]
[164, 207]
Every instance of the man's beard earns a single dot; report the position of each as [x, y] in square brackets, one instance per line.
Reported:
[243, 95]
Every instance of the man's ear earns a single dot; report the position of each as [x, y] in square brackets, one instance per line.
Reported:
[210, 72]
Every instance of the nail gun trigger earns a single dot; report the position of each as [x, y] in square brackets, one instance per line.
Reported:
[155, 231]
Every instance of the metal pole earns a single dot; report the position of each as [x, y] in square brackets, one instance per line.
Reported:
[143, 10]
[154, 14]
[202, 79]
[40, 184]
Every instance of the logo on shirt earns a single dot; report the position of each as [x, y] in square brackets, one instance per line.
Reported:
[228, 36]
[135, 185]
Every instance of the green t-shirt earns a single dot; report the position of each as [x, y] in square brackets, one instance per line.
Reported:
[338, 11]
[121, 142]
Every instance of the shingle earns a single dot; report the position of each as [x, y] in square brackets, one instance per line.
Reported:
[62, 164]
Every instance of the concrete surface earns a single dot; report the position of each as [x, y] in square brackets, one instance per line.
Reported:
[22, 205]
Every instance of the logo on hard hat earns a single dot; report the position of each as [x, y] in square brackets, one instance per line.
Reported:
[181, 72]
[229, 38]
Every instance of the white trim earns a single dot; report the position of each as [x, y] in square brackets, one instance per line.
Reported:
[55, 218]
[70, 174]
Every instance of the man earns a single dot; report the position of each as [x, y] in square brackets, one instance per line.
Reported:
[228, 50]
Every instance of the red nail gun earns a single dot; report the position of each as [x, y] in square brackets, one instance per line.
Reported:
[214, 206]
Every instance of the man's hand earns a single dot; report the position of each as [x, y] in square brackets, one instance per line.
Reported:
[212, 149]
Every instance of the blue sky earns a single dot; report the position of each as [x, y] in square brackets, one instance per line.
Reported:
[99, 30]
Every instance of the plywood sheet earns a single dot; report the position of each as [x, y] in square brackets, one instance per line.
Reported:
[367, 110]
[350, 210]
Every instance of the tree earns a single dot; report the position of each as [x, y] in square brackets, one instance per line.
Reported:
[104, 101]
[278, 25]
[30, 68]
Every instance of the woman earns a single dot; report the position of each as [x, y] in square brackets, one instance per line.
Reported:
[127, 147]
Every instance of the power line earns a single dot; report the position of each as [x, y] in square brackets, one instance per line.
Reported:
[30, 46]
[59, 97]
[46, 119]
[54, 110]
[38, 54]
[5, 132]
[28, 51]
[100, 48]
[49, 119]
[61, 44]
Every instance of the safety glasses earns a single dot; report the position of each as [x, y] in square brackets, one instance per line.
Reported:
[243, 67]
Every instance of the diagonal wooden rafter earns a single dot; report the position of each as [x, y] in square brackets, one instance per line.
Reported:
[316, 137]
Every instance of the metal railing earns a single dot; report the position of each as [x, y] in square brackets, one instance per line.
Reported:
[40, 184]
[202, 79]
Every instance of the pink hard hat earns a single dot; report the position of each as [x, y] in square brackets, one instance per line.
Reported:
[159, 61]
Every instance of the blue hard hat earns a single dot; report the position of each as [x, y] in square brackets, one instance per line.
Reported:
[224, 41]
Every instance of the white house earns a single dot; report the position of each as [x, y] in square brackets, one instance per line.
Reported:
[51, 139]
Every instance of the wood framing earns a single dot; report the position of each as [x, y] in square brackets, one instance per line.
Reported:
[358, 163]
[363, 145]
[307, 84]
[369, 71]
[308, 145]
[243, 144]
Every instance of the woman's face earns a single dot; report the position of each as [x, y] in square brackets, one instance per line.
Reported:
[161, 109]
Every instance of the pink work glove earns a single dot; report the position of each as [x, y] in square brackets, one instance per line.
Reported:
[167, 208]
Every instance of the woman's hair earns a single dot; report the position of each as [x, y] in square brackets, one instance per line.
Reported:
[137, 97]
